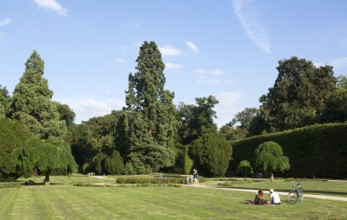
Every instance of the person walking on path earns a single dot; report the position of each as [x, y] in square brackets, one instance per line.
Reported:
[195, 176]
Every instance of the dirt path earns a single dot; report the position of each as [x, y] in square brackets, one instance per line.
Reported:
[280, 193]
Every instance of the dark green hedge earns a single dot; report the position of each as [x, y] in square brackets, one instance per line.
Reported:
[314, 151]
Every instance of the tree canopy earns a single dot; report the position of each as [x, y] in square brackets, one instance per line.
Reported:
[244, 168]
[66, 113]
[270, 158]
[241, 125]
[13, 134]
[152, 122]
[4, 102]
[211, 154]
[196, 120]
[336, 106]
[150, 134]
[44, 156]
[31, 102]
[299, 94]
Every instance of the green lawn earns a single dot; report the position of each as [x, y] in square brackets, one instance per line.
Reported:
[325, 187]
[63, 200]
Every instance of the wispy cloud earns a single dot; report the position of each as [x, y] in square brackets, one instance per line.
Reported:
[5, 22]
[169, 50]
[86, 108]
[202, 73]
[250, 19]
[124, 49]
[173, 66]
[338, 63]
[52, 5]
[209, 81]
[210, 76]
[216, 72]
[227, 106]
[120, 60]
[192, 46]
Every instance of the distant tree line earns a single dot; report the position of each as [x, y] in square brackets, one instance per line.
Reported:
[302, 95]
[151, 134]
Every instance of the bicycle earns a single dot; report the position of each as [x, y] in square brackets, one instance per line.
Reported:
[296, 194]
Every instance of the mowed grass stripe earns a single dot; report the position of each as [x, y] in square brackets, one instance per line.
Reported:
[152, 202]
[8, 200]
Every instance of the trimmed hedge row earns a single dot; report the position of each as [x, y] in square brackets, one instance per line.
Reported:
[313, 151]
[146, 180]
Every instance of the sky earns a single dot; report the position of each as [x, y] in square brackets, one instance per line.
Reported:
[226, 48]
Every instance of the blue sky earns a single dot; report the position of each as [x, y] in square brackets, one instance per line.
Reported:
[225, 48]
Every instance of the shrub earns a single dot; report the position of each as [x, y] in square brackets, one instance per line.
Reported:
[245, 168]
[211, 154]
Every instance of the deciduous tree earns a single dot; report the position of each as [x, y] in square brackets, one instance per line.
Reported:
[196, 120]
[244, 168]
[47, 156]
[66, 113]
[299, 94]
[336, 106]
[270, 158]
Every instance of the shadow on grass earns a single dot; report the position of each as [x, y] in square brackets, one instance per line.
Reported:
[42, 184]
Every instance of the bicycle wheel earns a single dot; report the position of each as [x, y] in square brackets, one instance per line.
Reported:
[292, 197]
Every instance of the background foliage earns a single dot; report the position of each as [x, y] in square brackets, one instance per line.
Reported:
[313, 151]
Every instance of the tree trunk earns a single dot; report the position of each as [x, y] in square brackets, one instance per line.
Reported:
[46, 181]
[272, 177]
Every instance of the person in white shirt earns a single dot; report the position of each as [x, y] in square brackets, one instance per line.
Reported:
[275, 198]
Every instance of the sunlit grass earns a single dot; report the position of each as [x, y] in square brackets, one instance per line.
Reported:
[335, 188]
[63, 200]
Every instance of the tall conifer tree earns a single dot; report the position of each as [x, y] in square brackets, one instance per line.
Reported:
[31, 102]
[152, 125]
[4, 101]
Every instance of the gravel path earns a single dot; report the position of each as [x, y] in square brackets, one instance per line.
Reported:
[337, 198]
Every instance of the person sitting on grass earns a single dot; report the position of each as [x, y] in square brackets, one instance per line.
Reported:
[275, 198]
[259, 199]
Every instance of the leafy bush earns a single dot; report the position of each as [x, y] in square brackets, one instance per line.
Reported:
[211, 154]
[244, 168]
[114, 164]
[13, 134]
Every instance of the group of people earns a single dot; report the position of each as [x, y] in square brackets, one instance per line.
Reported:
[260, 199]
